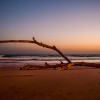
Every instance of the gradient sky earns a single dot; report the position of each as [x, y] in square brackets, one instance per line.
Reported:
[72, 25]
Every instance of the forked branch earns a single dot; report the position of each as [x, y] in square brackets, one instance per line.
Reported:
[38, 43]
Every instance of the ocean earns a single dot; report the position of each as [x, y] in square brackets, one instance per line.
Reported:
[49, 58]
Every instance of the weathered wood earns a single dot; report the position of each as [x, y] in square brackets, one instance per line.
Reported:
[46, 66]
[87, 64]
[16, 41]
[38, 43]
[62, 66]
[51, 47]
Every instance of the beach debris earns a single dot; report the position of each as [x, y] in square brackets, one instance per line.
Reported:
[40, 44]
[62, 65]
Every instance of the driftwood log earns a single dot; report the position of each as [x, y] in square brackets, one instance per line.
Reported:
[61, 66]
[66, 65]
[38, 43]
[43, 45]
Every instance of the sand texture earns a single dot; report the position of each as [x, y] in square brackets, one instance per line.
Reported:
[75, 84]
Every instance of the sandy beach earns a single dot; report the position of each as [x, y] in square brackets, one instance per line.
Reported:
[49, 49]
[78, 83]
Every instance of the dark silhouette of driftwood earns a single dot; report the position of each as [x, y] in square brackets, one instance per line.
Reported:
[61, 65]
[87, 64]
[46, 66]
[38, 43]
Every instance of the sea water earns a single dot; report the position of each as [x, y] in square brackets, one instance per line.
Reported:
[50, 58]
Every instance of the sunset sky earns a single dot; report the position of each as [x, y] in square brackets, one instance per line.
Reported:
[72, 25]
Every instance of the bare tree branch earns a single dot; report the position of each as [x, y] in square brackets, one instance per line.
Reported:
[38, 43]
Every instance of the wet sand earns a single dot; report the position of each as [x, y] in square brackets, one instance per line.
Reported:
[79, 83]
